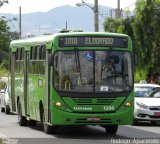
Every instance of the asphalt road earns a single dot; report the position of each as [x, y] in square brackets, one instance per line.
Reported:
[12, 133]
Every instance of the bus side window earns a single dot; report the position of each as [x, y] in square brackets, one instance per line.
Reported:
[21, 57]
[42, 55]
[21, 60]
[17, 54]
[36, 60]
[37, 53]
[32, 60]
[17, 60]
[33, 53]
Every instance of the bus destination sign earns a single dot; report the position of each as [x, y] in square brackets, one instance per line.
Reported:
[93, 41]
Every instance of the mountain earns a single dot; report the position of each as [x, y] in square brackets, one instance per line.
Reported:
[76, 18]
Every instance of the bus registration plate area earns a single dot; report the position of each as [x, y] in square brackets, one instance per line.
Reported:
[93, 119]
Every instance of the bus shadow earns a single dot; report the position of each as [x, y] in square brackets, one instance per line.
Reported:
[84, 132]
[98, 133]
[79, 132]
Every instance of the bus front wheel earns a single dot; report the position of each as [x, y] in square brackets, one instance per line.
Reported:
[21, 119]
[47, 128]
[111, 129]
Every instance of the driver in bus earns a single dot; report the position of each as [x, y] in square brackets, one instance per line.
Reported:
[108, 69]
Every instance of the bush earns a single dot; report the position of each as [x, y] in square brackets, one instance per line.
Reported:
[2, 84]
[3, 70]
[3, 73]
[140, 74]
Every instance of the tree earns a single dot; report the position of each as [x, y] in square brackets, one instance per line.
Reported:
[146, 33]
[121, 25]
[144, 30]
[113, 25]
[4, 39]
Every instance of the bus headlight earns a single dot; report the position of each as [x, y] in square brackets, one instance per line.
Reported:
[58, 104]
[128, 104]
[61, 106]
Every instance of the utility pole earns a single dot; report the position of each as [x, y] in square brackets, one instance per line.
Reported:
[118, 13]
[96, 20]
[20, 23]
[66, 25]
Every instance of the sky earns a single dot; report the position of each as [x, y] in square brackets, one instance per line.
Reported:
[29, 6]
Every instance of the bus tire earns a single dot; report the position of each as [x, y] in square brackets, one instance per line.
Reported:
[111, 129]
[2, 109]
[135, 122]
[47, 128]
[21, 119]
[41, 112]
[32, 123]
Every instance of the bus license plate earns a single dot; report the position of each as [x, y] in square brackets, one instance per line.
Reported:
[93, 118]
[157, 113]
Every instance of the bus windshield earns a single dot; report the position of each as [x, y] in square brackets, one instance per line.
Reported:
[93, 71]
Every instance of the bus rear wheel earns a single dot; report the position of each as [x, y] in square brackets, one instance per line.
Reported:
[111, 129]
[21, 119]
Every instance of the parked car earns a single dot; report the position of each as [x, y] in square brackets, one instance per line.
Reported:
[146, 105]
[4, 100]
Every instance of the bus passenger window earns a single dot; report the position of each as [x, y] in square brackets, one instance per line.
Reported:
[37, 57]
[17, 60]
[42, 53]
[17, 54]
[33, 53]
[21, 54]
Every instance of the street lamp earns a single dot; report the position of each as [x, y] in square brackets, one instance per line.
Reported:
[95, 10]
[2, 2]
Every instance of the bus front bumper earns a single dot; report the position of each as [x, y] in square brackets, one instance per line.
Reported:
[60, 117]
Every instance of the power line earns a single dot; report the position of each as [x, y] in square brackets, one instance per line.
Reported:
[130, 5]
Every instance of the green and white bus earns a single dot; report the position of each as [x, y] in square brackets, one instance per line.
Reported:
[74, 78]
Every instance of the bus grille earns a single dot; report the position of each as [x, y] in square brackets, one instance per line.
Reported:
[93, 101]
